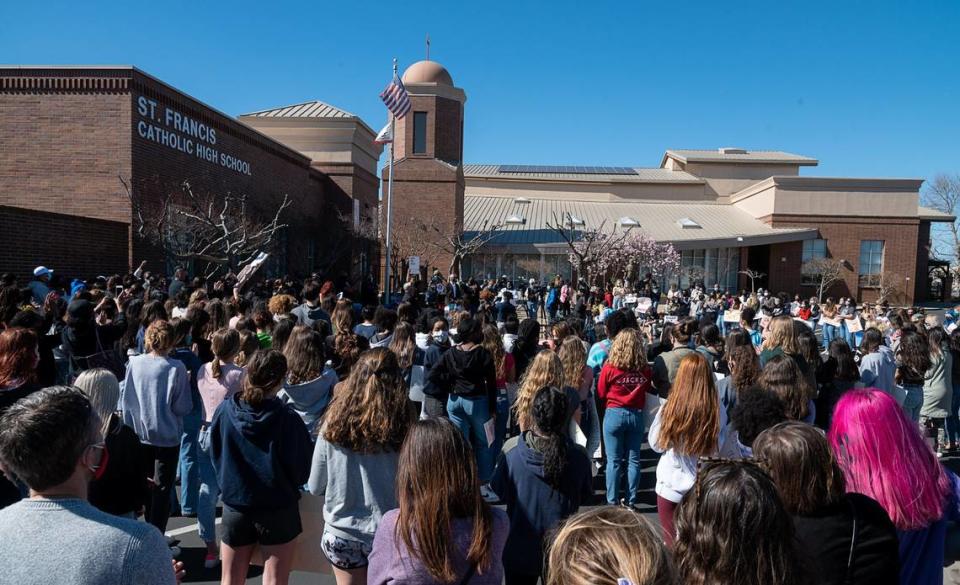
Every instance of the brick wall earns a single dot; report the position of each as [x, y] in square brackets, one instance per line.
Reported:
[444, 139]
[72, 246]
[843, 235]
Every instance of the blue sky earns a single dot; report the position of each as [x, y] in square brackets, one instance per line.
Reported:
[869, 88]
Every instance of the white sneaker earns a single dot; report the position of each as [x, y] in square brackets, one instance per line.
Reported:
[488, 494]
[211, 561]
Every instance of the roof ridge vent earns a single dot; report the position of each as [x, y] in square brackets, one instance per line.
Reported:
[731, 150]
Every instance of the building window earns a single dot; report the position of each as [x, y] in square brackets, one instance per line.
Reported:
[812, 250]
[871, 262]
[419, 133]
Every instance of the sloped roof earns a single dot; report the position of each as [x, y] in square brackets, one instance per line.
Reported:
[311, 109]
[720, 224]
[738, 156]
[934, 215]
[641, 175]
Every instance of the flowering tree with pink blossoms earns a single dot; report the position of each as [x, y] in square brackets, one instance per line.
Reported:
[641, 252]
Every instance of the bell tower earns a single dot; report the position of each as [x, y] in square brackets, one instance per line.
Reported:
[428, 179]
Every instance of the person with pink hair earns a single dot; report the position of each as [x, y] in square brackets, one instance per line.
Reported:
[884, 456]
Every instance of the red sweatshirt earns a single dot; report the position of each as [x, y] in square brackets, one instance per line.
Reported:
[619, 388]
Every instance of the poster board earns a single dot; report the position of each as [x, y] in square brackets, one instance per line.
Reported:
[414, 263]
[644, 304]
[828, 321]
[854, 325]
[251, 268]
[731, 316]
[671, 319]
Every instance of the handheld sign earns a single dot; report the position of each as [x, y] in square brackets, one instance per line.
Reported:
[249, 270]
[731, 316]
[854, 325]
[671, 319]
[644, 304]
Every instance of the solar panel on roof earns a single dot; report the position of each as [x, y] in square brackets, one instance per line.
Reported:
[566, 170]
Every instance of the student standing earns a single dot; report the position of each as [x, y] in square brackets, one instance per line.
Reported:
[542, 481]
[623, 385]
[261, 452]
[355, 460]
[688, 426]
[154, 400]
[309, 383]
[443, 531]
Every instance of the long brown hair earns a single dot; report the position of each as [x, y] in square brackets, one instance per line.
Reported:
[493, 343]
[573, 356]
[432, 496]
[304, 353]
[690, 421]
[369, 412]
[782, 376]
[404, 344]
[345, 341]
[744, 366]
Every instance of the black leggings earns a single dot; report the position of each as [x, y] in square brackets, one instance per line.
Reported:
[161, 465]
[520, 579]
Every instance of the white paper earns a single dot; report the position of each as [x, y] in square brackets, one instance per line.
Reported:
[490, 430]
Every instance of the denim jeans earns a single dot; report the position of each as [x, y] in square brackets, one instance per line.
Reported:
[531, 309]
[913, 401]
[953, 421]
[623, 437]
[469, 413]
[189, 472]
[209, 489]
[503, 412]
[829, 333]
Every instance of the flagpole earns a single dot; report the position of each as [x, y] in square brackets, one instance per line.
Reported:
[393, 139]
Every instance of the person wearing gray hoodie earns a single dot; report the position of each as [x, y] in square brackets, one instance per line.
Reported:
[309, 384]
[877, 366]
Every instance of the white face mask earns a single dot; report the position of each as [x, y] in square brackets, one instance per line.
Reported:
[440, 336]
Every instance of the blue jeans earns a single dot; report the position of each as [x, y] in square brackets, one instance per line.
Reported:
[531, 310]
[829, 333]
[953, 421]
[503, 412]
[469, 413]
[623, 437]
[189, 471]
[913, 401]
[209, 490]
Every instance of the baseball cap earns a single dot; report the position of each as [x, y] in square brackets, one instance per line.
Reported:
[42, 271]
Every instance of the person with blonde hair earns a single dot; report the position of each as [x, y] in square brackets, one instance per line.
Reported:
[624, 382]
[156, 396]
[121, 490]
[546, 369]
[606, 545]
[688, 426]
[356, 458]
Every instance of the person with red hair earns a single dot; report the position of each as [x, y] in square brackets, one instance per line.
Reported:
[883, 455]
[19, 356]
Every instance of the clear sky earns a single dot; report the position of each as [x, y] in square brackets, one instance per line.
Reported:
[871, 88]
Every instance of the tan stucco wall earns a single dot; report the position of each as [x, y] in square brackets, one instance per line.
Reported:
[324, 140]
[828, 202]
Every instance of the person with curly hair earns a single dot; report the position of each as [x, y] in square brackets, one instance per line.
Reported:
[356, 458]
[261, 453]
[624, 383]
[543, 480]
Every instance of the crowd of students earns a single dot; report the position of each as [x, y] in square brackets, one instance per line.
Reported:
[781, 461]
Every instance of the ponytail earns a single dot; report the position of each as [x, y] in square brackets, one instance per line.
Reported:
[550, 419]
[266, 370]
[215, 368]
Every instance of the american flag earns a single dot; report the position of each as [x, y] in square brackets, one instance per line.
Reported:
[396, 98]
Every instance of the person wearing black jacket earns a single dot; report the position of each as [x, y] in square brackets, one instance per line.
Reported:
[845, 538]
[262, 452]
[83, 338]
[468, 374]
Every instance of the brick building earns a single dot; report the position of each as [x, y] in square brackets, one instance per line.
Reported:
[72, 136]
[726, 210]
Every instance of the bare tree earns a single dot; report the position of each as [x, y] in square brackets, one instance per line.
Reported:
[943, 194]
[889, 286]
[590, 248]
[336, 245]
[218, 231]
[823, 273]
[410, 236]
[753, 275]
[459, 244]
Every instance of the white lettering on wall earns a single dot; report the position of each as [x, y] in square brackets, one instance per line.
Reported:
[188, 135]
